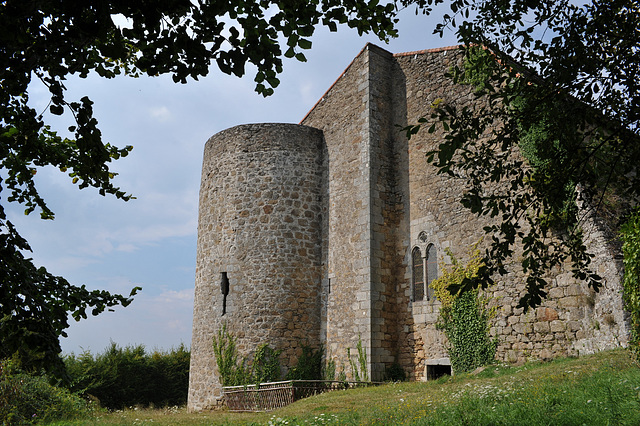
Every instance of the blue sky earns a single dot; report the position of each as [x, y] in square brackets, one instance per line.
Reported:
[151, 241]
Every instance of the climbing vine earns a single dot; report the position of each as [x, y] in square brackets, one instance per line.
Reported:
[464, 317]
[630, 235]
[266, 364]
[235, 370]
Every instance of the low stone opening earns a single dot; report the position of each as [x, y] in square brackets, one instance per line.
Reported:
[436, 371]
[436, 368]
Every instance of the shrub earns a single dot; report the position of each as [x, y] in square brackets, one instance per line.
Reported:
[30, 399]
[232, 369]
[235, 370]
[308, 366]
[395, 373]
[266, 364]
[122, 377]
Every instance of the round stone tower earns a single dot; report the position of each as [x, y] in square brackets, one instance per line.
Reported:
[258, 267]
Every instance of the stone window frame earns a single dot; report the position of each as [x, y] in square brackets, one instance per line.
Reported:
[424, 246]
[431, 258]
[416, 294]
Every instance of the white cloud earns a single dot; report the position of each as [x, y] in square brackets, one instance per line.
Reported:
[161, 113]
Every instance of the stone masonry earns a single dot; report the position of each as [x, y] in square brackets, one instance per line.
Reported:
[315, 225]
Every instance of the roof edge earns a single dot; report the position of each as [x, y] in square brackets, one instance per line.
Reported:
[366, 46]
[370, 45]
[422, 52]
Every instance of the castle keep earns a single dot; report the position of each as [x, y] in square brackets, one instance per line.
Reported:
[329, 231]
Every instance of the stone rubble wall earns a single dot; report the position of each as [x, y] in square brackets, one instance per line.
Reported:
[430, 202]
[260, 222]
[573, 320]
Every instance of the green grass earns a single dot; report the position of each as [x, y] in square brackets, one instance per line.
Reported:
[602, 389]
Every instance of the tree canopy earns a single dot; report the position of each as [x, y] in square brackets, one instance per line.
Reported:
[561, 84]
[51, 40]
[561, 80]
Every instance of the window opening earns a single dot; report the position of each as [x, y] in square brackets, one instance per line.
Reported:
[432, 269]
[224, 289]
[418, 275]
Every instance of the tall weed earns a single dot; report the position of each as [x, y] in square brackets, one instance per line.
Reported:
[235, 370]
[359, 365]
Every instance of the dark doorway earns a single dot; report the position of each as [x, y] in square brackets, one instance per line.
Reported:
[438, 370]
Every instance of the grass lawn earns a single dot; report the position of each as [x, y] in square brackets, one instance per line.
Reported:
[601, 389]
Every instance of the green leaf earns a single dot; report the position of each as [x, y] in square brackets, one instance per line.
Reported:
[56, 109]
[290, 53]
[304, 43]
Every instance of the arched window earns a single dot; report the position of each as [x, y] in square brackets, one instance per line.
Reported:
[417, 275]
[432, 269]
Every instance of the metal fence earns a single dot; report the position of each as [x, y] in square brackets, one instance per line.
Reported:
[273, 395]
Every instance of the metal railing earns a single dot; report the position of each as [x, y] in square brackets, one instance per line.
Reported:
[274, 395]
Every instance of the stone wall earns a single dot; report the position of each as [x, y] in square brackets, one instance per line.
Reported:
[346, 134]
[315, 227]
[431, 202]
[572, 320]
[260, 222]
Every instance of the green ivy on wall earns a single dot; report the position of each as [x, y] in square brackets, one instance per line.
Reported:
[464, 317]
[630, 235]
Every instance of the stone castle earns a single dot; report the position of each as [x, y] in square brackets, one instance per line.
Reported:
[329, 231]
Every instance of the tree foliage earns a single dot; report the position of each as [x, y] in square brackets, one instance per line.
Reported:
[131, 376]
[49, 41]
[34, 306]
[27, 399]
[559, 81]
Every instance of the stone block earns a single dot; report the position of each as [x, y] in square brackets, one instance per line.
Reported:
[573, 326]
[556, 292]
[569, 302]
[523, 328]
[546, 314]
[558, 326]
[573, 290]
[541, 327]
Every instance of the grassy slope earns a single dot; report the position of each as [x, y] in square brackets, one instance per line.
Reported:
[595, 390]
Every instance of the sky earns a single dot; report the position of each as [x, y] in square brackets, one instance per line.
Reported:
[150, 241]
